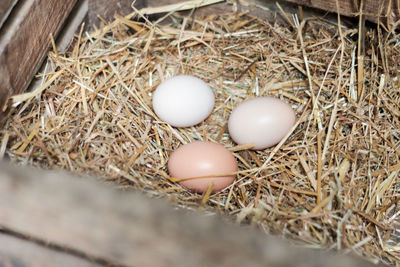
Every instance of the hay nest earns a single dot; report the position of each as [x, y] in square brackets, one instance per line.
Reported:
[333, 183]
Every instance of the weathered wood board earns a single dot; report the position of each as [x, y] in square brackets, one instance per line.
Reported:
[385, 11]
[107, 9]
[5, 9]
[20, 252]
[129, 229]
[24, 39]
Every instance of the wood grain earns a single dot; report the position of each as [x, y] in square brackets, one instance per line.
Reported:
[24, 41]
[129, 229]
[387, 11]
[19, 252]
[107, 9]
[5, 9]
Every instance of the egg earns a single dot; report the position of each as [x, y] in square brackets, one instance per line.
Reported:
[183, 101]
[263, 121]
[199, 159]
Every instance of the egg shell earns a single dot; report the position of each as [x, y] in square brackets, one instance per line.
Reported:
[183, 101]
[264, 121]
[202, 159]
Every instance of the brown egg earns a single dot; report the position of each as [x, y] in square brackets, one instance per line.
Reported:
[199, 159]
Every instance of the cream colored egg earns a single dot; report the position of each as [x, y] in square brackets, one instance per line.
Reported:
[262, 121]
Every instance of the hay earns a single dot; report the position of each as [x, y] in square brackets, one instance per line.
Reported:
[332, 183]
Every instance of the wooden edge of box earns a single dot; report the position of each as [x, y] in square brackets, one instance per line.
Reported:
[386, 12]
[5, 9]
[24, 41]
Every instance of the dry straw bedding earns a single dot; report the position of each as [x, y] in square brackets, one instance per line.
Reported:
[333, 183]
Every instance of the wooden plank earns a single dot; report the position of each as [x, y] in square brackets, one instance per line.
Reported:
[5, 9]
[387, 11]
[65, 38]
[24, 40]
[108, 8]
[265, 10]
[72, 25]
[130, 229]
[20, 252]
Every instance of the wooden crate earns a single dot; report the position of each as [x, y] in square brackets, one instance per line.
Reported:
[62, 220]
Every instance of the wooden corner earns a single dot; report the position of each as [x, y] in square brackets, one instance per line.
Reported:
[24, 41]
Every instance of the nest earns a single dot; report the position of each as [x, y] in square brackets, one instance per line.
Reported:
[332, 183]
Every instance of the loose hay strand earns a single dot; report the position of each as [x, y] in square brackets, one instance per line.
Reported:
[185, 5]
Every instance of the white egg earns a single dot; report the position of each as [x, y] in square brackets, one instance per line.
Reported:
[183, 101]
